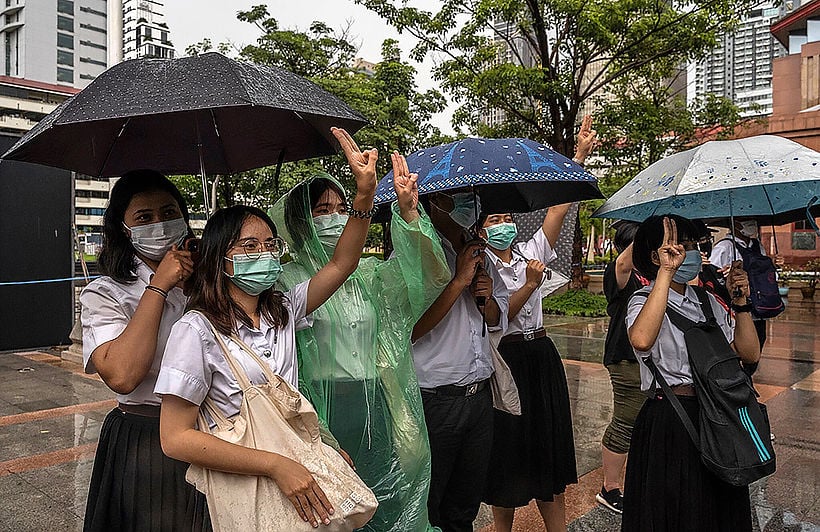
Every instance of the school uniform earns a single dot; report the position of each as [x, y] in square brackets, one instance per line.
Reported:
[667, 487]
[134, 486]
[723, 254]
[194, 365]
[454, 365]
[533, 454]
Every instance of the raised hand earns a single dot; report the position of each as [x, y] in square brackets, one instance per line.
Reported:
[467, 262]
[737, 281]
[671, 253]
[482, 285]
[585, 140]
[406, 186]
[176, 266]
[362, 163]
[535, 272]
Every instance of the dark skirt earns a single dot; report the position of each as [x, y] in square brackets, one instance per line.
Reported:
[533, 454]
[134, 486]
[667, 487]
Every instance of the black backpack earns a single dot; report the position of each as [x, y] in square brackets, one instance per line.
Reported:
[766, 300]
[734, 438]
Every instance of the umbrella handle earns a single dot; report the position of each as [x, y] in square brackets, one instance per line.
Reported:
[810, 218]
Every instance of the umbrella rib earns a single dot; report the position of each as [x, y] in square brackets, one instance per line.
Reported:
[111, 148]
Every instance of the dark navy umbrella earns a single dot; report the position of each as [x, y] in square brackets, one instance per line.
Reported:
[509, 175]
[204, 114]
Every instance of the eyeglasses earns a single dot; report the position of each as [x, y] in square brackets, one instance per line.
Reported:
[250, 246]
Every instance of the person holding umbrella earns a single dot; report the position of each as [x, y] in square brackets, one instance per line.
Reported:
[355, 362]
[533, 455]
[667, 484]
[127, 315]
[233, 290]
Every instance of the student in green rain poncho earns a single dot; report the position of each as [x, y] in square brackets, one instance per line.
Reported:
[355, 362]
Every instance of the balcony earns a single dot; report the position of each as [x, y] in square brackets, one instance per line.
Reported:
[11, 10]
[13, 26]
[16, 123]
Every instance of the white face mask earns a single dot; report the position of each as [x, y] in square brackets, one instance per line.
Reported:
[748, 228]
[329, 228]
[154, 240]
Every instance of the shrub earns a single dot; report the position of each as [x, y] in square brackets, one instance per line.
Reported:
[576, 303]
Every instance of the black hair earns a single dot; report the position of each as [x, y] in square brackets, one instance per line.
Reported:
[624, 234]
[297, 220]
[649, 237]
[209, 293]
[117, 256]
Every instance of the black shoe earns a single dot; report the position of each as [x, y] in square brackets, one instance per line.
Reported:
[612, 499]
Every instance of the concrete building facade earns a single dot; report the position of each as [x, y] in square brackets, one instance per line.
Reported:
[145, 32]
[740, 66]
[62, 42]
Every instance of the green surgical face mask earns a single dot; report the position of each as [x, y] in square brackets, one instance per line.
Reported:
[329, 228]
[256, 272]
[501, 236]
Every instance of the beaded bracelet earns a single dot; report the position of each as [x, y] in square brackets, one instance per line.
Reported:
[361, 214]
[158, 290]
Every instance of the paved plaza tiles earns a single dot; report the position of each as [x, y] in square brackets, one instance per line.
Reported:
[51, 414]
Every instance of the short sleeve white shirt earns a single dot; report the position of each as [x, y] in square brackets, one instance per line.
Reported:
[455, 351]
[194, 366]
[669, 352]
[723, 252]
[107, 307]
[514, 275]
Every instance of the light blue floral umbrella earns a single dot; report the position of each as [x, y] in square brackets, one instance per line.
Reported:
[767, 177]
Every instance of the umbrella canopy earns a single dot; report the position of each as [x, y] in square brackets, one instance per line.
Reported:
[767, 177]
[165, 114]
[510, 175]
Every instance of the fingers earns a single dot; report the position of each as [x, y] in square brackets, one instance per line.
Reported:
[323, 501]
[342, 136]
[674, 229]
[294, 500]
[317, 508]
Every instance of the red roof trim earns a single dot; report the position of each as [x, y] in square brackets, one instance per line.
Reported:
[782, 25]
[22, 82]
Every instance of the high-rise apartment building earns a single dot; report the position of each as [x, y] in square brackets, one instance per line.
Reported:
[145, 32]
[740, 66]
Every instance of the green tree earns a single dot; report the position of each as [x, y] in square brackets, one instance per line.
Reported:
[538, 62]
[398, 114]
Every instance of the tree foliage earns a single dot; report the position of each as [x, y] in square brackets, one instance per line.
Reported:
[386, 94]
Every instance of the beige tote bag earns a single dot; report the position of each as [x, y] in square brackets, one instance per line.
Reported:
[502, 384]
[275, 417]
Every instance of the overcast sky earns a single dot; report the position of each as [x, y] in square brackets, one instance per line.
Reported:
[190, 21]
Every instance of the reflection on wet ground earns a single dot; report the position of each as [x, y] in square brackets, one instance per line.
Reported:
[51, 413]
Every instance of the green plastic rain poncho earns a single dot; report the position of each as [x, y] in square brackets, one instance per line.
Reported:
[356, 364]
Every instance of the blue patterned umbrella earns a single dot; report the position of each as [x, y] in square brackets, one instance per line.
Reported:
[510, 175]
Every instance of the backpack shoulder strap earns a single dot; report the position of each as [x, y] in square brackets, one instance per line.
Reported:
[678, 320]
[673, 400]
[705, 304]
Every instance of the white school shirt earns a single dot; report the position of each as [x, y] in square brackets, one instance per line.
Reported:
[194, 366]
[669, 352]
[514, 274]
[454, 351]
[723, 252]
[107, 307]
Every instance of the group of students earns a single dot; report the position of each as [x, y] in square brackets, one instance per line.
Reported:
[394, 355]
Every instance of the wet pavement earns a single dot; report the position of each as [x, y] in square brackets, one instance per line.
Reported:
[51, 414]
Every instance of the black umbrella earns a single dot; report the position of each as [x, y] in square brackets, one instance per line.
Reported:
[191, 115]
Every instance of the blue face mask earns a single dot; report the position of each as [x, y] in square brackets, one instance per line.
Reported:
[465, 207]
[256, 272]
[690, 268]
[500, 236]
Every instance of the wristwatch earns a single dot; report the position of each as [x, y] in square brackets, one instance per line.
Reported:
[747, 307]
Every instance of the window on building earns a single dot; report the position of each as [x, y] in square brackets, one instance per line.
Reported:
[65, 6]
[803, 236]
[65, 58]
[65, 40]
[65, 23]
[65, 75]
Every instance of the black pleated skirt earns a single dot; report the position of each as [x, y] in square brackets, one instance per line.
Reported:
[533, 454]
[667, 487]
[135, 487]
